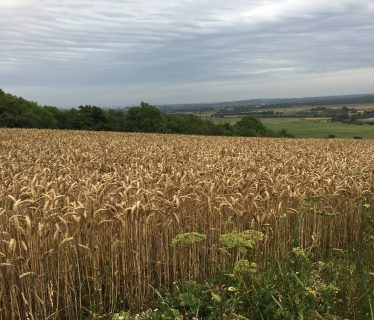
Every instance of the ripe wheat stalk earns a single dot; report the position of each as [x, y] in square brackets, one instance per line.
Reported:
[87, 219]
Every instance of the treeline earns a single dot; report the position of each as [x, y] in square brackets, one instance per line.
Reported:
[17, 112]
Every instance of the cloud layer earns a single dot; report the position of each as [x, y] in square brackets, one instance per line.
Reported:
[117, 52]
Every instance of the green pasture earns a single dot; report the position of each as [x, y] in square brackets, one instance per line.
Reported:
[319, 128]
[312, 127]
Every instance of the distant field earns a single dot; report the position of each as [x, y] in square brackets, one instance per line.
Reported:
[230, 119]
[311, 127]
[318, 128]
[290, 110]
[367, 120]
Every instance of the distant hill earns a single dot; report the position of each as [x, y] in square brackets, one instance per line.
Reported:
[267, 103]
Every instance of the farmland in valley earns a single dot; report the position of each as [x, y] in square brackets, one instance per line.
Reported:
[319, 128]
[311, 127]
[87, 218]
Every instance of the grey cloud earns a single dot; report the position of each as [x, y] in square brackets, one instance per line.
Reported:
[188, 45]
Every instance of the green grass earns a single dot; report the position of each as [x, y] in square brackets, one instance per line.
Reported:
[311, 127]
[319, 128]
[229, 119]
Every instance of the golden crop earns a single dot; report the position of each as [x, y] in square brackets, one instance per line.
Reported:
[87, 218]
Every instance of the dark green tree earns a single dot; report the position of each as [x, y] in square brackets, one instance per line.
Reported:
[20, 113]
[250, 126]
[145, 118]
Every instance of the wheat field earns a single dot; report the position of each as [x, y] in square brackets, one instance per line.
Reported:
[87, 218]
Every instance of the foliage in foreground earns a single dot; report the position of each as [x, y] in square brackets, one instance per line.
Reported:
[300, 286]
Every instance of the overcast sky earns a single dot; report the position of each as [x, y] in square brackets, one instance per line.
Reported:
[120, 52]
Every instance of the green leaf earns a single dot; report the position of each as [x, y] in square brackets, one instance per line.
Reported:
[216, 297]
